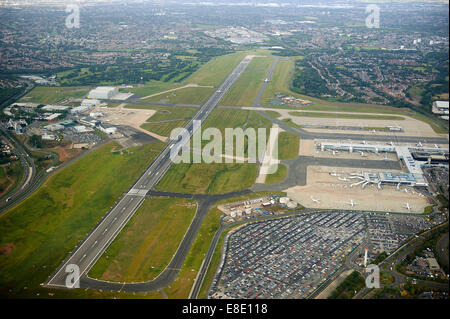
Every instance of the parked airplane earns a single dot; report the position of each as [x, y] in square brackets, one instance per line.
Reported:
[398, 186]
[343, 179]
[334, 174]
[419, 144]
[407, 207]
[315, 200]
[351, 203]
[435, 146]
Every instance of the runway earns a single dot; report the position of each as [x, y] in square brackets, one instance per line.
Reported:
[92, 247]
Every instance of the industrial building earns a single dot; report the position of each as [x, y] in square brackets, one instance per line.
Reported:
[440, 107]
[90, 102]
[103, 92]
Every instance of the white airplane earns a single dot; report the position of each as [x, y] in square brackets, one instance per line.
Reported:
[373, 131]
[406, 190]
[398, 186]
[391, 143]
[407, 206]
[362, 154]
[351, 203]
[364, 142]
[419, 144]
[266, 80]
[334, 174]
[334, 152]
[315, 200]
[435, 146]
[344, 179]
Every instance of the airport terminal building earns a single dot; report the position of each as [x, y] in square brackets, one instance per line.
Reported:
[414, 176]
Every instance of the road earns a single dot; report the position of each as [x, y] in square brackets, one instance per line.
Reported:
[28, 166]
[92, 247]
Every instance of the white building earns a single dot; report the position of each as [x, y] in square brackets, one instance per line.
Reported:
[90, 102]
[440, 107]
[82, 129]
[79, 109]
[51, 107]
[103, 92]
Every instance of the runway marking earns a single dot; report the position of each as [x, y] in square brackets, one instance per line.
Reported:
[105, 230]
[95, 243]
[83, 257]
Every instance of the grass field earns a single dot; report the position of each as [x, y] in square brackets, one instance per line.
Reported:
[147, 243]
[189, 95]
[54, 94]
[227, 118]
[216, 71]
[280, 81]
[152, 87]
[164, 128]
[288, 145]
[245, 89]
[9, 176]
[172, 113]
[273, 114]
[278, 176]
[347, 116]
[49, 223]
[214, 178]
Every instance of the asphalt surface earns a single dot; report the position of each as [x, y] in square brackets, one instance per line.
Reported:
[301, 163]
[29, 172]
[257, 101]
[92, 247]
[360, 137]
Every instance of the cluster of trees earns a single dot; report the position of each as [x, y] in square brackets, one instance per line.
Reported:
[126, 70]
[308, 81]
[346, 290]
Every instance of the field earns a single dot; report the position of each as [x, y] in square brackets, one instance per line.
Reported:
[152, 87]
[147, 243]
[278, 176]
[280, 81]
[48, 224]
[53, 95]
[228, 118]
[245, 89]
[288, 145]
[189, 95]
[163, 128]
[216, 71]
[9, 176]
[214, 178]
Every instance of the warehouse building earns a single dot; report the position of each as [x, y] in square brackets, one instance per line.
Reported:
[103, 92]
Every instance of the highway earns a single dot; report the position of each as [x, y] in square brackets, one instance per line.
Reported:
[96, 242]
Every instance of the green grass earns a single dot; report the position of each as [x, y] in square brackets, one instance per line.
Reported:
[165, 128]
[273, 114]
[346, 290]
[278, 176]
[216, 71]
[152, 87]
[48, 224]
[347, 116]
[147, 243]
[189, 95]
[214, 178]
[9, 176]
[280, 81]
[291, 123]
[173, 113]
[288, 146]
[245, 89]
[52, 94]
